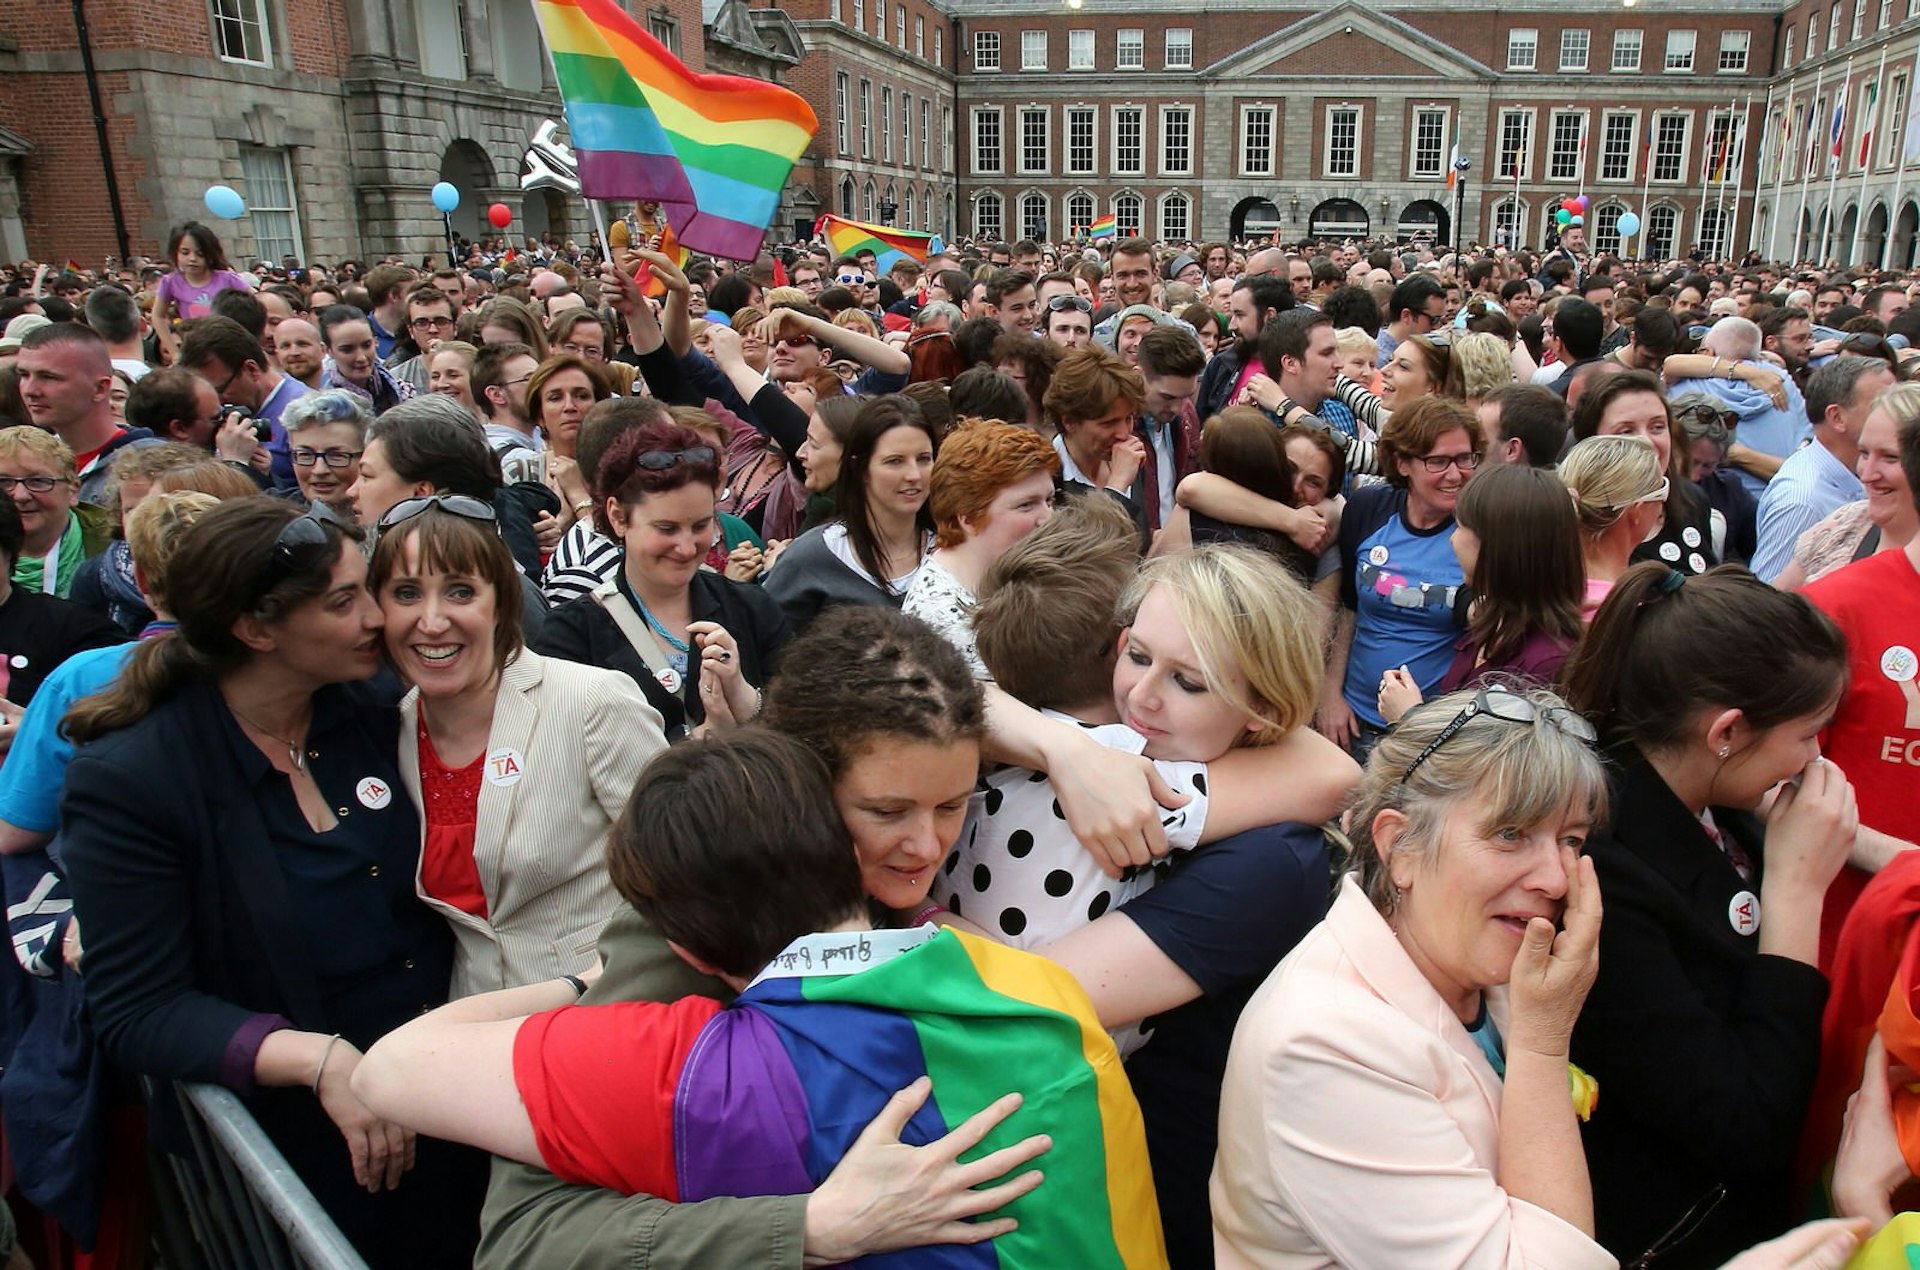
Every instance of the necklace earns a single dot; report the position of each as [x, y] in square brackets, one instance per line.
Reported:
[295, 754]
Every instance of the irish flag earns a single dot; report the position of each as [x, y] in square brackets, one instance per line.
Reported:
[714, 150]
[889, 246]
[1107, 226]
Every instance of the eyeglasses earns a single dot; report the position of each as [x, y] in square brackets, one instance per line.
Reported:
[430, 323]
[1508, 707]
[661, 460]
[220, 389]
[796, 341]
[301, 546]
[456, 504]
[852, 279]
[303, 457]
[34, 484]
[1061, 303]
[1438, 463]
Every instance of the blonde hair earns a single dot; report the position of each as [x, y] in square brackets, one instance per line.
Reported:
[784, 298]
[222, 481]
[461, 347]
[153, 533]
[1606, 476]
[1351, 339]
[1243, 612]
[855, 320]
[1480, 364]
[40, 444]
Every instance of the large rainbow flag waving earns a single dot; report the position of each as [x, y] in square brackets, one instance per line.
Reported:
[770, 1092]
[714, 150]
[888, 245]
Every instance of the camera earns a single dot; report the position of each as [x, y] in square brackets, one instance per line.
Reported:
[262, 429]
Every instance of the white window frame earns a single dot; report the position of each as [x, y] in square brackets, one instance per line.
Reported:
[1859, 18]
[1576, 49]
[860, 15]
[262, 208]
[1359, 140]
[1628, 38]
[1140, 167]
[998, 115]
[1523, 48]
[1138, 224]
[986, 50]
[1734, 44]
[939, 53]
[1569, 171]
[1044, 115]
[868, 198]
[244, 18]
[1787, 55]
[1046, 215]
[1415, 169]
[906, 129]
[1080, 50]
[1833, 27]
[900, 26]
[1886, 14]
[1167, 234]
[1682, 168]
[1171, 44]
[1074, 227]
[1895, 131]
[926, 133]
[1526, 116]
[946, 140]
[886, 123]
[1248, 114]
[1091, 115]
[1669, 236]
[843, 110]
[999, 202]
[866, 118]
[1633, 147]
[1130, 49]
[919, 35]
[1168, 114]
[879, 19]
[1682, 45]
[1033, 50]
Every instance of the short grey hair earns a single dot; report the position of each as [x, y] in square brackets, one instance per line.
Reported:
[934, 311]
[335, 405]
[1834, 383]
[1735, 338]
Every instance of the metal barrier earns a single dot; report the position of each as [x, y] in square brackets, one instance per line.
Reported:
[245, 1207]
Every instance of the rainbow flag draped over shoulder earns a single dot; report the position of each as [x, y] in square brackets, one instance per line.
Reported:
[715, 150]
[888, 245]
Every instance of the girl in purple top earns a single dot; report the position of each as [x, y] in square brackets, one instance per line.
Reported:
[1518, 540]
[200, 272]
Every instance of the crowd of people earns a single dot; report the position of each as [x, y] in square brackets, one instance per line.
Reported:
[1129, 753]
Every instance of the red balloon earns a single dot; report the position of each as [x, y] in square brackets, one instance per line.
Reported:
[500, 215]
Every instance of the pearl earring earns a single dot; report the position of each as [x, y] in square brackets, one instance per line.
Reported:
[1725, 750]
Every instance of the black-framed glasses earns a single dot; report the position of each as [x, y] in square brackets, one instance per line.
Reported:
[303, 457]
[431, 323]
[1438, 463]
[464, 505]
[34, 484]
[303, 543]
[1508, 707]
[220, 389]
[1061, 303]
[661, 460]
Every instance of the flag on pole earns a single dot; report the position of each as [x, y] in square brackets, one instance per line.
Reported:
[1839, 130]
[1872, 118]
[1107, 226]
[714, 150]
[889, 246]
[1453, 158]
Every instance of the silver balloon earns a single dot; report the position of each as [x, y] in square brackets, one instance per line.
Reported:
[549, 161]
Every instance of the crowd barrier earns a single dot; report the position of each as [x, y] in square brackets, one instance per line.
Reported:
[234, 1203]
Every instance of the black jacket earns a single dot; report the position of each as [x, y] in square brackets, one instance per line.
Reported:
[1705, 1050]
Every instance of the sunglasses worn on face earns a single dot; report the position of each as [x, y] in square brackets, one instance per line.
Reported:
[661, 460]
[797, 341]
[1508, 707]
[455, 504]
[852, 280]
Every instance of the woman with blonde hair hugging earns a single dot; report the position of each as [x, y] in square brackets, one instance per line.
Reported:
[1620, 494]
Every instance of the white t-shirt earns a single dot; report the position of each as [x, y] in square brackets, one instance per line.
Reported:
[941, 601]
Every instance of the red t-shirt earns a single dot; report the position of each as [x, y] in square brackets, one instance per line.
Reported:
[598, 1082]
[1875, 737]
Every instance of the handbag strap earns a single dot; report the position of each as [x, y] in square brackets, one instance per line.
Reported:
[608, 596]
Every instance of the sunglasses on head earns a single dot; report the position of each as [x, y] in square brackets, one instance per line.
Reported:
[456, 504]
[1508, 707]
[1061, 303]
[302, 545]
[661, 460]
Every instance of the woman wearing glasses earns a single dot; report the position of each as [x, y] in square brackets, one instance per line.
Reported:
[699, 644]
[1398, 1090]
[326, 431]
[250, 918]
[1400, 581]
[1620, 495]
[1704, 1024]
[520, 763]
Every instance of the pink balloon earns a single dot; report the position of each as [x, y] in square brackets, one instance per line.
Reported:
[500, 216]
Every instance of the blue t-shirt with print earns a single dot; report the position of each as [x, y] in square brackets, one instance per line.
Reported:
[1403, 585]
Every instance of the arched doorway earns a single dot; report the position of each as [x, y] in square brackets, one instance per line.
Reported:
[1873, 242]
[1339, 218]
[1803, 248]
[1905, 227]
[1842, 245]
[544, 211]
[1253, 218]
[466, 167]
[1424, 219]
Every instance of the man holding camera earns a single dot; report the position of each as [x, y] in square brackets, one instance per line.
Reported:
[220, 351]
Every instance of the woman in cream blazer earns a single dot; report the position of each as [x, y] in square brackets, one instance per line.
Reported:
[519, 763]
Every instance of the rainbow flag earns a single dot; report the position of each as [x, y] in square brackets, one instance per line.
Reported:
[765, 1096]
[714, 150]
[889, 246]
[670, 248]
[1107, 226]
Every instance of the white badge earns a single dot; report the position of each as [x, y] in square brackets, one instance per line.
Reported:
[669, 678]
[1697, 562]
[1899, 664]
[373, 793]
[1378, 554]
[18, 661]
[1743, 910]
[505, 767]
[1670, 552]
[1690, 536]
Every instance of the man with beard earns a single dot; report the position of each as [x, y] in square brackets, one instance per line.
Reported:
[1788, 333]
[1254, 300]
[296, 346]
[1131, 271]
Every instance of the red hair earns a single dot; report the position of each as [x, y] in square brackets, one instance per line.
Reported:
[621, 476]
[979, 459]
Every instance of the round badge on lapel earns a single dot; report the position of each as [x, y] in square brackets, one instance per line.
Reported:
[373, 793]
[505, 767]
[669, 678]
[1743, 910]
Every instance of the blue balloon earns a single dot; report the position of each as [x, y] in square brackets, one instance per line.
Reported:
[445, 197]
[1629, 225]
[225, 202]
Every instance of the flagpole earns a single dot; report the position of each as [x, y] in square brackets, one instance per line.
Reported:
[1583, 156]
[1866, 168]
[1739, 173]
[1646, 182]
[1519, 158]
[1706, 166]
[1813, 105]
[1838, 126]
[1779, 151]
[1900, 163]
[1721, 240]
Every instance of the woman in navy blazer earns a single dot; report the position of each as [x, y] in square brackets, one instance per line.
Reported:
[1703, 1027]
[240, 849]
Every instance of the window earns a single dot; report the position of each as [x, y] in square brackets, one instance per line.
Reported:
[986, 216]
[1176, 140]
[1886, 14]
[1033, 216]
[1833, 27]
[926, 133]
[846, 196]
[1573, 48]
[906, 130]
[1081, 146]
[859, 15]
[1679, 51]
[1817, 130]
[1786, 57]
[946, 138]
[1176, 211]
[1079, 50]
[886, 124]
[1131, 53]
[1523, 48]
[1718, 161]
[1033, 50]
[836, 11]
[1813, 36]
[240, 31]
[1343, 141]
[1256, 141]
[1713, 230]
[919, 45]
[1179, 48]
[1859, 18]
[1896, 121]
[906, 210]
[986, 49]
[940, 59]
[1516, 144]
[1126, 214]
[866, 119]
[900, 26]
[1563, 152]
[1079, 212]
[1661, 222]
[1129, 122]
[1606, 228]
[666, 30]
[867, 209]
[842, 112]
[271, 208]
[1616, 145]
[1509, 222]
[986, 139]
[1033, 138]
[1670, 146]
[1429, 142]
[1733, 51]
[1626, 50]
[880, 19]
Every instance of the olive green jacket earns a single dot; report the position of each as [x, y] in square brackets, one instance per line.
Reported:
[532, 1218]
